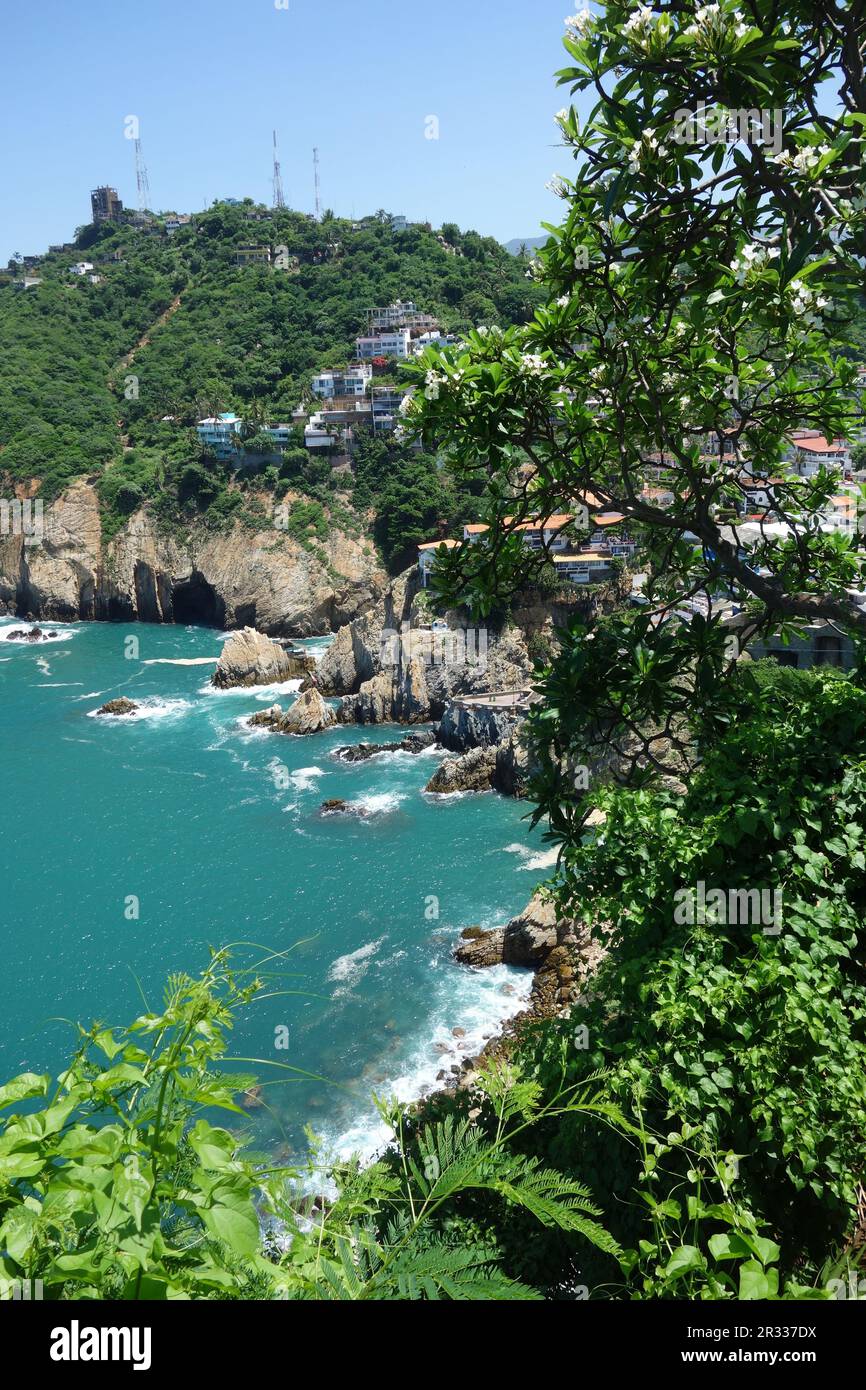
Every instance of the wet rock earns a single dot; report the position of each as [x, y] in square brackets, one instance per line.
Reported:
[471, 772]
[360, 752]
[118, 707]
[250, 658]
[308, 715]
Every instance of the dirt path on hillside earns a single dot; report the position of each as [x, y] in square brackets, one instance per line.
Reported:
[129, 357]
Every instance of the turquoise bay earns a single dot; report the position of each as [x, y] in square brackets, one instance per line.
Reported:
[216, 831]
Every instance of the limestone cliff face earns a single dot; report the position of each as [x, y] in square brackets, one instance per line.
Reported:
[228, 579]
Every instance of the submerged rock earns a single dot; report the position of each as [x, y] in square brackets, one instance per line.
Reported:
[250, 658]
[308, 715]
[118, 707]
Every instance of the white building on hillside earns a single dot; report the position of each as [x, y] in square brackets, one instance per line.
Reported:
[350, 381]
[219, 434]
[394, 344]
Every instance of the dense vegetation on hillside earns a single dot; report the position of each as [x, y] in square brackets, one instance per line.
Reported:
[208, 335]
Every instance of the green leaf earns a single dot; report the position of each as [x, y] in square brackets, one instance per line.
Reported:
[23, 1087]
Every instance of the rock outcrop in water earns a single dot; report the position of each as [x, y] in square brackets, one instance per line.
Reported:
[118, 707]
[308, 715]
[361, 752]
[29, 634]
[219, 578]
[503, 767]
[249, 658]
[561, 951]
[471, 772]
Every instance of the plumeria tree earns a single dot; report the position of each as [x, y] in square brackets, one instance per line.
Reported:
[703, 287]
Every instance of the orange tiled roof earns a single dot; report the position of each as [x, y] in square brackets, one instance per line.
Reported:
[434, 545]
[817, 444]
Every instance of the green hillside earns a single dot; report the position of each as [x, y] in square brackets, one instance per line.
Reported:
[178, 322]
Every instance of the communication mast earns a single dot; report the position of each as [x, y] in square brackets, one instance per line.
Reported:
[316, 180]
[141, 179]
[279, 200]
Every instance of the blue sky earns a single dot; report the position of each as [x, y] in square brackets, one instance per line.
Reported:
[210, 79]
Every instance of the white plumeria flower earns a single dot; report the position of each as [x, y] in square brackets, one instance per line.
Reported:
[532, 364]
[564, 301]
[577, 25]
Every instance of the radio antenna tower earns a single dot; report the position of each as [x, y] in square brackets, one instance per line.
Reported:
[316, 179]
[279, 200]
[141, 179]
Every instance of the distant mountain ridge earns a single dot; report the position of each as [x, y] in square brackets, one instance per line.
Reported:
[531, 243]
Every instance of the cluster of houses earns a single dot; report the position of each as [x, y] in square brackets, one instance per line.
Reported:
[584, 546]
[343, 399]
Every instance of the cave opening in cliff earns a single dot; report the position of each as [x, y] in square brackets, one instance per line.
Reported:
[193, 600]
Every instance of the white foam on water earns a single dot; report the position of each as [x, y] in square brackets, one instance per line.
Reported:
[57, 685]
[151, 707]
[304, 779]
[544, 859]
[533, 858]
[256, 692]
[474, 1000]
[351, 968]
[247, 730]
[181, 661]
[378, 803]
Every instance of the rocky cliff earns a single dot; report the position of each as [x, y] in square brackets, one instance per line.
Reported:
[232, 578]
[562, 952]
[249, 658]
[391, 665]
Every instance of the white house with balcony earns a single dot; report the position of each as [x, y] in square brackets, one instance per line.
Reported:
[394, 344]
[82, 268]
[386, 405]
[434, 338]
[427, 557]
[400, 314]
[538, 534]
[219, 434]
[348, 381]
[810, 452]
[282, 435]
[586, 567]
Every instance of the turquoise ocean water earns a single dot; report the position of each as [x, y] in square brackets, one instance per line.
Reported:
[216, 830]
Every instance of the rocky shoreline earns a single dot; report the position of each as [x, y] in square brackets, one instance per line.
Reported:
[561, 952]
